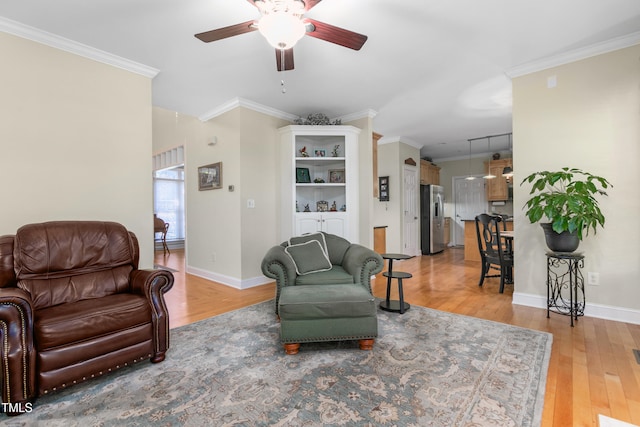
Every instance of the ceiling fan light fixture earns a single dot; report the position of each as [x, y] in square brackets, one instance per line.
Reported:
[281, 29]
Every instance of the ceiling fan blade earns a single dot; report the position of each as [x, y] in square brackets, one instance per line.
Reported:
[336, 35]
[308, 4]
[288, 59]
[230, 31]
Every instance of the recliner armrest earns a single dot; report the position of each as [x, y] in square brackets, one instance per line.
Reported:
[362, 262]
[151, 282]
[154, 284]
[17, 353]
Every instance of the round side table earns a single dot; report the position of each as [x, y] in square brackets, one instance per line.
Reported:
[392, 305]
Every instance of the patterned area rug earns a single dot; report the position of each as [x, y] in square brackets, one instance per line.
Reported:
[428, 368]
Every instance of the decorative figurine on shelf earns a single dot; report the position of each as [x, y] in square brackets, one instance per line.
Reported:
[334, 153]
[322, 206]
[303, 152]
[343, 208]
[306, 208]
[319, 181]
[297, 208]
[333, 207]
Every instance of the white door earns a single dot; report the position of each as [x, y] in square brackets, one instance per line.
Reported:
[470, 200]
[410, 209]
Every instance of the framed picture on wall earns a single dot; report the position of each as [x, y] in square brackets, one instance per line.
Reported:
[383, 185]
[210, 177]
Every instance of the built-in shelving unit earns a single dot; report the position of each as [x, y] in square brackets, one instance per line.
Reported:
[319, 180]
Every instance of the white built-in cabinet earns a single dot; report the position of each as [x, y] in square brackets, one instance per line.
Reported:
[319, 164]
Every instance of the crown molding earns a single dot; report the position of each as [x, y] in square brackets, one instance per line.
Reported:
[403, 140]
[575, 55]
[359, 115]
[241, 102]
[55, 41]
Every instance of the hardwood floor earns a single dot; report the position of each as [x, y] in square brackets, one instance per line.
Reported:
[592, 368]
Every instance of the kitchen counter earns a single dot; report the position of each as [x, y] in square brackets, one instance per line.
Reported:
[471, 251]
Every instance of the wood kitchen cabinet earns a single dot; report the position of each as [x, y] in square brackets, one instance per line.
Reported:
[429, 173]
[497, 188]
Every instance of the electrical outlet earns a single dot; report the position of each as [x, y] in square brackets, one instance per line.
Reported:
[593, 279]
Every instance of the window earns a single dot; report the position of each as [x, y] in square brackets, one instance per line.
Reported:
[168, 200]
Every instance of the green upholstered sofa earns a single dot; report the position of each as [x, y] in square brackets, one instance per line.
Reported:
[323, 290]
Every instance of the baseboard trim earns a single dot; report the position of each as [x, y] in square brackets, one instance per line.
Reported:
[600, 311]
[170, 244]
[228, 280]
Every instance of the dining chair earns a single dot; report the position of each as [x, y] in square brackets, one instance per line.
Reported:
[493, 253]
[159, 226]
[504, 221]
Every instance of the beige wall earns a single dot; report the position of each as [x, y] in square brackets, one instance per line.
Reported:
[388, 213]
[75, 141]
[213, 216]
[259, 181]
[365, 180]
[171, 130]
[391, 157]
[591, 120]
[226, 240]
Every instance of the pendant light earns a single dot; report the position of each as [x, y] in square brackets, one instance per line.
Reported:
[508, 171]
[469, 177]
[489, 175]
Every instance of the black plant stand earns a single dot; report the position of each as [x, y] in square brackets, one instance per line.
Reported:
[564, 276]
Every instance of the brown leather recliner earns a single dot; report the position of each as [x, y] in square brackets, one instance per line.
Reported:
[74, 305]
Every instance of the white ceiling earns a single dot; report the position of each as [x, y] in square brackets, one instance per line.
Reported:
[435, 72]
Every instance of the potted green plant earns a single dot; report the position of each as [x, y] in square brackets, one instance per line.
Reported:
[566, 198]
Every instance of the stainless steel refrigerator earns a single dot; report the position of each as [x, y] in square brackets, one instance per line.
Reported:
[432, 219]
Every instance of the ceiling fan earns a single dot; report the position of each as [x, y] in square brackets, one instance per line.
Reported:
[282, 23]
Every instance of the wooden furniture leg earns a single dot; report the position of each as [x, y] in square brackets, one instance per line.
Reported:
[366, 344]
[292, 348]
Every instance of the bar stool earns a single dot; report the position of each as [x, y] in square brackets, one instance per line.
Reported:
[392, 305]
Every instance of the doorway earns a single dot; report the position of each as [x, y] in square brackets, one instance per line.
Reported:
[168, 203]
[169, 194]
[470, 201]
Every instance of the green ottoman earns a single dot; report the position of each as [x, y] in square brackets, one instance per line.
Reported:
[311, 313]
